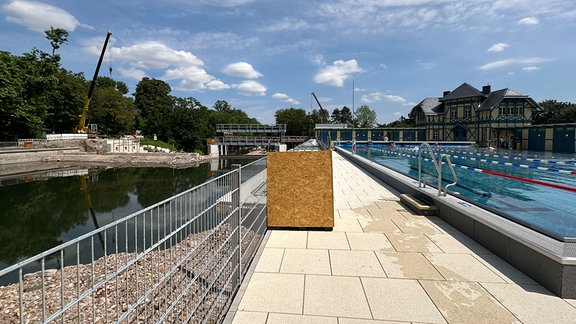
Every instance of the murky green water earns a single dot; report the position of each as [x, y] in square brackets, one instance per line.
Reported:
[38, 212]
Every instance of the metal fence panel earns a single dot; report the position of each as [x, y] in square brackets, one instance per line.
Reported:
[181, 260]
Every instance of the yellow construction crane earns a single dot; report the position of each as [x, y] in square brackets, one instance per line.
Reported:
[82, 128]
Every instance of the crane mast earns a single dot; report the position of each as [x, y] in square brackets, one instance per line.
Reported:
[81, 127]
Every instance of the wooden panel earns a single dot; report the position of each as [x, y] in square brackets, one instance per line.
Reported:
[300, 191]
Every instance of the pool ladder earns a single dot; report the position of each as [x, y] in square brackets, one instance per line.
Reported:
[438, 165]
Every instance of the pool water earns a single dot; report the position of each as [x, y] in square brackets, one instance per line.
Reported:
[533, 189]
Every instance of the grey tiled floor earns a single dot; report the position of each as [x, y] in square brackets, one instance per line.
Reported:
[383, 264]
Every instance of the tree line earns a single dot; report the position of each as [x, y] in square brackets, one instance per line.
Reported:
[38, 97]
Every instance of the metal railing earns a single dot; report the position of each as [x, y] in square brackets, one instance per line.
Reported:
[437, 166]
[180, 260]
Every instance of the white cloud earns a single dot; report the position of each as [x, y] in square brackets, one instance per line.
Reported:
[226, 3]
[242, 70]
[217, 85]
[152, 54]
[426, 65]
[530, 68]
[504, 63]
[38, 16]
[497, 64]
[285, 98]
[176, 65]
[335, 74]
[132, 73]
[250, 88]
[287, 24]
[529, 21]
[379, 96]
[498, 47]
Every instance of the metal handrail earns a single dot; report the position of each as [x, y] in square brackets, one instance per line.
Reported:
[422, 184]
[449, 162]
[438, 166]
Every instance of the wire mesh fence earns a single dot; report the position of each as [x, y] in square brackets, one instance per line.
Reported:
[179, 261]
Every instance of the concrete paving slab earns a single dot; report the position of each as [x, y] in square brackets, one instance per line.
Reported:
[341, 204]
[369, 241]
[270, 260]
[387, 209]
[450, 244]
[287, 239]
[274, 292]
[379, 225]
[466, 302]
[408, 265]
[504, 270]
[275, 318]
[335, 296]
[355, 263]
[306, 261]
[462, 267]
[412, 243]
[416, 226]
[359, 212]
[400, 300]
[246, 317]
[328, 240]
[365, 321]
[351, 225]
[532, 303]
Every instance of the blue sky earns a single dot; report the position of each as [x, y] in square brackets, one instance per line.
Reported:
[265, 55]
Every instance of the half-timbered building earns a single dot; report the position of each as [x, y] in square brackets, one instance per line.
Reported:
[468, 114]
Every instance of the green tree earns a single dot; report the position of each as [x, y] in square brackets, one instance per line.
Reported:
[552, 112]
[66, 101]
[114, 113]
[57, 37]
[343, 116]
[27, 83]
[296, 120]
[154, 104]
[365, 117]
[191, 124]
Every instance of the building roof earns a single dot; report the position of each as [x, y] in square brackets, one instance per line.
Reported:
[463, 91]
[495, 97]
[431, 106]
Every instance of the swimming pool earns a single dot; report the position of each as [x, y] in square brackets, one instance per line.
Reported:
[533, 189]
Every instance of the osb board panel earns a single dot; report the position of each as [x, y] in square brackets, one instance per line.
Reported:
[300, 191]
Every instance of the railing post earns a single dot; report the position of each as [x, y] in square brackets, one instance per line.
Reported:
[239, 218]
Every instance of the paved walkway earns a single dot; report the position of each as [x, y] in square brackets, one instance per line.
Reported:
[383, 264]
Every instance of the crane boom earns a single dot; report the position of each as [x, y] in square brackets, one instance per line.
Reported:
[81, 127]
[317, 101]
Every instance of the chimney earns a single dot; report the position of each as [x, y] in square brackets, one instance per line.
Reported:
[486, 89]
[445, 93]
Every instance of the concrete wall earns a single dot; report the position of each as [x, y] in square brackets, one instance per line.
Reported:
[125, 145]
[33, 155]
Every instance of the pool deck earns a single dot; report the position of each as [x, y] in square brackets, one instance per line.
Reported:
[384, 264]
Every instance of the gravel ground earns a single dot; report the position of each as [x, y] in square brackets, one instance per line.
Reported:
[115, 297]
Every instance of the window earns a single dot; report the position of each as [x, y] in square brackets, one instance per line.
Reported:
[453, 112]
[468, 110]
[434, 134]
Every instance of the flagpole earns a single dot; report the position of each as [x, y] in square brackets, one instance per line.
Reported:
[353, 120]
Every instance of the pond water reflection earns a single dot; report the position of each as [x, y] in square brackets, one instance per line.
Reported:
[38, 212]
